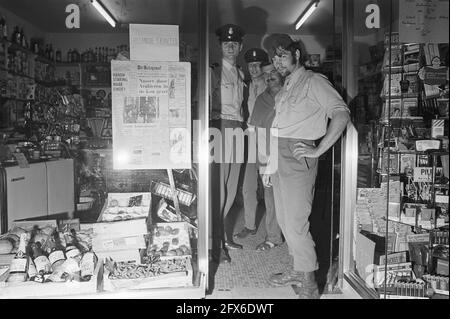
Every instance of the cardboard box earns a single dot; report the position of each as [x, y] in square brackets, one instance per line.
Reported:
[121, 243]
[5, 259]
[169, 280]
[118, 229]
[125, 206]
[30, 289]
[182, 237]
[130, 255]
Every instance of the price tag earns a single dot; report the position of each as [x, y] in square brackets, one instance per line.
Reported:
[441, 199]
[424, 145]
[418, 238]
[22, 160]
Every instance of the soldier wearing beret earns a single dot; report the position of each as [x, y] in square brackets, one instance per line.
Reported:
[226, 113]
[253, 57]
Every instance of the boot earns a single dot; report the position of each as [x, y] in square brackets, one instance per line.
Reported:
[289, 277]
[308, 288]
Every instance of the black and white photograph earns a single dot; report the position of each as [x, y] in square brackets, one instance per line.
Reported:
[131, 110]
[148, 109]
[311, 137]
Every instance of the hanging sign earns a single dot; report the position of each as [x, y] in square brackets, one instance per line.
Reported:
[154, 42]
[151, 115]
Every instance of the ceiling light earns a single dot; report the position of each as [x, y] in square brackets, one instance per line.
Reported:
[305, 15]
[101, 8]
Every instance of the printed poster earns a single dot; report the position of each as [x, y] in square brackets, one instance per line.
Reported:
[423, 21]
[151, 115]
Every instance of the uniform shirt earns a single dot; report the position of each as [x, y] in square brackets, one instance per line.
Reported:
[227, 93]
[261, 119]
[255, 88]
[304, 105]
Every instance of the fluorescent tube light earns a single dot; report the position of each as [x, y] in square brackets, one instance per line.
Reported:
[100, 8]
[305, 15]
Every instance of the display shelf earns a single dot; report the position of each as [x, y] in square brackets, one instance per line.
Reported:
[400, 96]
[14, 99]
[395, 220]
[67, 64]
[430, 152]
[20, 75]
[44, 60]
[17, 47]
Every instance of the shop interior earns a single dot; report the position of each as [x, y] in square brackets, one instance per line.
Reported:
[57, 160]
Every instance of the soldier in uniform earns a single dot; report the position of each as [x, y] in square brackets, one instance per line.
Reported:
[226, 113]
[253, 57]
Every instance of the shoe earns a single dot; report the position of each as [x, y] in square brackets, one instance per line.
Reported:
[222, 257]
[308, 288]
[290, 277]
[245, 232]
[233, 245]
[265, 245]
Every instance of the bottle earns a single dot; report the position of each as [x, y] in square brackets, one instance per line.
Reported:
[72, 250]
[14, 34]
[36, 47]
[18, 270]
[43, 265]
[22, 38]
[32, 272]
[58, 55]
[76, 56]
[2, 25]
[51, 53]
[83, 57]
[91, 55]
[19, 37]
[69, 56]
[87, 265]
[57, 256]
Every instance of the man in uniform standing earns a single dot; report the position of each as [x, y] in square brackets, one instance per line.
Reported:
[226, 114]
[303, 107]
[254, 57]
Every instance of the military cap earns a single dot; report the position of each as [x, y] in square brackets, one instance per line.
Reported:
[230, 32]
[266, 66]
[256, 55]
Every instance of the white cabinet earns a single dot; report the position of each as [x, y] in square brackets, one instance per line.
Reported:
[40, 190]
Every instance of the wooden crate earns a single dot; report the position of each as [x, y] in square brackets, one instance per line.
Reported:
[30, 289]
[107, 214]
[171, 280]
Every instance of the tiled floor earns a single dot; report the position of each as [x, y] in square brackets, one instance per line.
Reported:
[246, 276]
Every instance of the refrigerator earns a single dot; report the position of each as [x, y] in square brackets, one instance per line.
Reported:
[40, 190]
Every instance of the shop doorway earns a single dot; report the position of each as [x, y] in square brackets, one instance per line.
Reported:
[322, 37]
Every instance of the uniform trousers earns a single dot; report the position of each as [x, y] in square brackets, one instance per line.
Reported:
[224, 182]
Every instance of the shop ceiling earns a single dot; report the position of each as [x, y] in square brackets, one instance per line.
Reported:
[256, 16]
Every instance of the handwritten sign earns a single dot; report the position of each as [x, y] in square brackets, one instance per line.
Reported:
[151, 42]
[423, 21]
